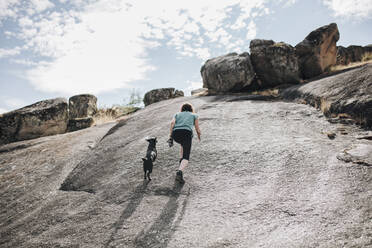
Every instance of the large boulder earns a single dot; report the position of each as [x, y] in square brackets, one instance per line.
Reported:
[158, 95]
[356, 53]
[368, 48]
[318, 51]
[43, 118]
[351, 54]
[343, 57]
[274, 63]
[229, 73]
[81, 106]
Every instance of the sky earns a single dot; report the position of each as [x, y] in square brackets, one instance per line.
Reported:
[110, 48]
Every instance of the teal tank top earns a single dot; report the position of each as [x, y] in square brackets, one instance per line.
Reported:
[185, 120]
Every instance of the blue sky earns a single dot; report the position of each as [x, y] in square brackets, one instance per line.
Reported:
[59, 48]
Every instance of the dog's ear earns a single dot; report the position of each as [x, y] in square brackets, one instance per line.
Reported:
[144, 159]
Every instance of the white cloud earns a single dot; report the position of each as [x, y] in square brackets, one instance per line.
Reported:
[2, 111]
[12, 8]
[26, 62]
[102, 45]
[9, 34]
[252, 31]
[239, 23]
[192, 85]
[357, 9]
[287, 3]
[184, 22]
[9, 52]
[7, 8]
[237, 46]
[202, 53]
[14, 103]
[101, 58]
[41, 5]
[25, 21]
[195, 85]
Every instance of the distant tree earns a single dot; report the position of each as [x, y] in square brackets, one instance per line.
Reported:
[135, 99]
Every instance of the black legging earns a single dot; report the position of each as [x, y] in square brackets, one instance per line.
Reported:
[184, 138]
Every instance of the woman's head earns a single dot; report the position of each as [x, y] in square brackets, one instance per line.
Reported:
[187, 107]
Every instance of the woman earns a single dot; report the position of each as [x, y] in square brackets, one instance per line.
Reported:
[181, 132]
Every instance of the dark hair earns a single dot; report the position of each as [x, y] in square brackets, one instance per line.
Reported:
[187, 107]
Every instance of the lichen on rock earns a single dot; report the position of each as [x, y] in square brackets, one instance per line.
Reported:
[161, 94]
[274, 63]
[40, 119]
[228, 73]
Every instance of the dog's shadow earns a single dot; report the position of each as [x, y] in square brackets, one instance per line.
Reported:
[163, 228]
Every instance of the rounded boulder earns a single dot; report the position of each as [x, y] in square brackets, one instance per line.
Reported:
[274, 63]
[228, 73]
[161, 94]
[318, 51]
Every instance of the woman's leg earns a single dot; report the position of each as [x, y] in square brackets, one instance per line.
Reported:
[186, 148]
[177, 136]
[183, 164]
[181, 154]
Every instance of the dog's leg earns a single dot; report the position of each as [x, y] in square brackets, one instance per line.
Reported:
[148, 176]
[144, 167]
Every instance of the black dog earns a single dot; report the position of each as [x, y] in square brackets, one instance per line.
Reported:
[151, 155]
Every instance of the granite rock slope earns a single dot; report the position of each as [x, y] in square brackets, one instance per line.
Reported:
[347, 94]
[265, 174]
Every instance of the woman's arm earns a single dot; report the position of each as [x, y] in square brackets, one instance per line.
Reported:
[197, 128]
[172, 126]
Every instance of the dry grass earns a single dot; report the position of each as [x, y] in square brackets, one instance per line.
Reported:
[325, 105]
[343, 116]
[367, 57]
[335, 68]
[105, 115]
[103, 118]
[279, 44]
[202, 93]
[268, 92]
